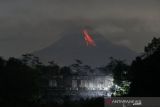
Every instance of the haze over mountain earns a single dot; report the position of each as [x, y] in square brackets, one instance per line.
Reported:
[73, 46]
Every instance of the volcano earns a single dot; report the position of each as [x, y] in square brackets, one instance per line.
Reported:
[72, 46]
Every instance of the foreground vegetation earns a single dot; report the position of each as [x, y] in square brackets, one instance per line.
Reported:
[21, 80]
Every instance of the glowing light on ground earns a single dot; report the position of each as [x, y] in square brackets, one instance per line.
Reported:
[85, 86]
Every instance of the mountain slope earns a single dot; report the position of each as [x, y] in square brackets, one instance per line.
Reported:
[72, 46]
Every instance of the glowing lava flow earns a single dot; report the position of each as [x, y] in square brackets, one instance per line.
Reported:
[88, 38]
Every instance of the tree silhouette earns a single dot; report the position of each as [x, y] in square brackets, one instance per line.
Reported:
[144, 72]
[119, 69]
[31, 60]
[18, 83]
[152, 47]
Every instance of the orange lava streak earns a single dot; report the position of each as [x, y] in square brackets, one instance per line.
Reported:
[89, 40]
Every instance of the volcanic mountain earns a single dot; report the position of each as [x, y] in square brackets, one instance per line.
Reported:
[73, 46]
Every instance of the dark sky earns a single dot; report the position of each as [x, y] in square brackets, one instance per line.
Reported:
[29, 25]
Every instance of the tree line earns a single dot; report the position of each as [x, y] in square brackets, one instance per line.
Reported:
[21, 79]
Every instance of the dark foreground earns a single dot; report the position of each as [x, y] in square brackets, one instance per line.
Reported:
[93, 102]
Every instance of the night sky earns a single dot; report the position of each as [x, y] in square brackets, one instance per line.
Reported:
[30, 25]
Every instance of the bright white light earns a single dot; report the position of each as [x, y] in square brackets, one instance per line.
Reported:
[98, 86]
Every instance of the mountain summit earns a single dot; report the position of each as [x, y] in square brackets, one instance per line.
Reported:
[73, 46]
